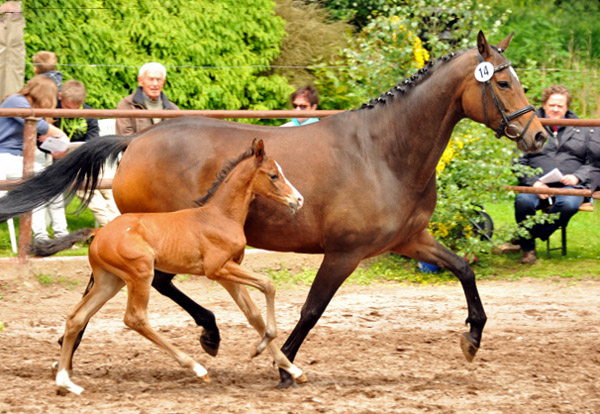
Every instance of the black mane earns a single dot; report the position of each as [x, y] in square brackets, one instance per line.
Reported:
[402, 87]
[229, 165]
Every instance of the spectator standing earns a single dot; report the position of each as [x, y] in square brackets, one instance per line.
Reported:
[303, 99]
[39, 92]
[44, 63]
[12, 48]
[73, 96]
[148, 95]
[566, 150]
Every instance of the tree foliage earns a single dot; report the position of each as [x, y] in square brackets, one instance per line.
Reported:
[217, 53]
[556, 42]
[394, 43]
[310, 35]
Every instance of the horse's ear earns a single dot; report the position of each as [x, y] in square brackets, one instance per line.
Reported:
[259, 150]
[503, 45]
[483, 46]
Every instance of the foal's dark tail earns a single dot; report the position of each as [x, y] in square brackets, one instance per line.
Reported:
[79, 169]
[43, 248]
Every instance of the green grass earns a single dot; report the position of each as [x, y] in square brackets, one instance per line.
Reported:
[583, 250]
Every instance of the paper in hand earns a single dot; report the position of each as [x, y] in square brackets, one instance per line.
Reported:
[553, 176]
[54, 144]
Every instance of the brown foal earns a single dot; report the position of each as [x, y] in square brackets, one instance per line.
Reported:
[207, 240]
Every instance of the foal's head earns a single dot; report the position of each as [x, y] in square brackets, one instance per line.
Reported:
[270, 182]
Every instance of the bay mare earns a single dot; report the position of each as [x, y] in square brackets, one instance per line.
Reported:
[367, 175]
[206, 240]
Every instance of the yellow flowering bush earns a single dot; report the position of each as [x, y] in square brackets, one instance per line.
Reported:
[468, 174]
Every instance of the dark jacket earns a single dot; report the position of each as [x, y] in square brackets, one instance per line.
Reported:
[570, 156]
[79, 129]
[594, 157]
[130, 126]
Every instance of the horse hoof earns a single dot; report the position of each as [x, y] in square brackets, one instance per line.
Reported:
[210, 343]
[54, 369]
[287, 383]
[301, 379]
[205, 379]
[467, 344]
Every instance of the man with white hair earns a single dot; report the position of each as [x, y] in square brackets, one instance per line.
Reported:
[148, 95]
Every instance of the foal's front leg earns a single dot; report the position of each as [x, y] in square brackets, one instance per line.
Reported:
[240, 295]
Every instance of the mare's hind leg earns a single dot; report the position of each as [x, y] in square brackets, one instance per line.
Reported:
[424, 247]
[240, 295]
[136, 317]
[107, 285]
[210, 338]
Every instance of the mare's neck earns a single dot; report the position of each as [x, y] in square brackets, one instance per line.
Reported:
[413, 129]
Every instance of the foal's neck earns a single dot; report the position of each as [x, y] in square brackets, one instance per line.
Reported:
[232, 199]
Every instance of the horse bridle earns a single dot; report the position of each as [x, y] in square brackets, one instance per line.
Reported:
[510, 130]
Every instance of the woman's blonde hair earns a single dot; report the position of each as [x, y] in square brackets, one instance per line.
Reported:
[40, 91]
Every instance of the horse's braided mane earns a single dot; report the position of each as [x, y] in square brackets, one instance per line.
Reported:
[221, 175]
[412, 81]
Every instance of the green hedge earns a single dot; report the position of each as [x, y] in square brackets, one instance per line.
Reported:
[217, 53]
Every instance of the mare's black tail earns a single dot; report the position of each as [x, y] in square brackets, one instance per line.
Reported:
[79, 169]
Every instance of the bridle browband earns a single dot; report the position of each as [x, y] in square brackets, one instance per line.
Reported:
[506, 128]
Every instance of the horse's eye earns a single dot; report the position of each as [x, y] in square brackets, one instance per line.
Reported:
[274, 176]
[504, 84]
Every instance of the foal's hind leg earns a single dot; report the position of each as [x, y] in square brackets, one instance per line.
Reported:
[240, 295]
[80, 336]
[210, 338]
[106, 286]
[136, 317]
[425, 248]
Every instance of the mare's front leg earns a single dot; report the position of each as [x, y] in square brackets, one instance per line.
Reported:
[334, 270]
[210, 338]
[425, 248]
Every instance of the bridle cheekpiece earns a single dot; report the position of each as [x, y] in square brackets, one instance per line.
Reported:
[505, 128]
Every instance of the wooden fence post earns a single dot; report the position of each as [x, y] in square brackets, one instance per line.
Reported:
[29, 146]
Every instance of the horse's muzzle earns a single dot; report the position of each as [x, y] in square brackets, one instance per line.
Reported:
[539, 139]
[296, 204]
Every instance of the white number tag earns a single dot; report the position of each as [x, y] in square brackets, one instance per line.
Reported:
[484, 71]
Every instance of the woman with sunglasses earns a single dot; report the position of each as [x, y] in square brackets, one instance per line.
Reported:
[303, 99]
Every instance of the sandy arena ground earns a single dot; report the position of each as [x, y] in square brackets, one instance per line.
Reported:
[384, 348]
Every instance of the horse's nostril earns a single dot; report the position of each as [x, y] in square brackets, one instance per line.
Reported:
[540, 137]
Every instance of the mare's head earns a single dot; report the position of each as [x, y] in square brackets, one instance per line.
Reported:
[494, 96]
[270, 182]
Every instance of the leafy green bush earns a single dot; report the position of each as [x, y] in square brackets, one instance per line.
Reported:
[470, 173]
[217, 53]
[382, 54]
[310, 35]
[554, 44]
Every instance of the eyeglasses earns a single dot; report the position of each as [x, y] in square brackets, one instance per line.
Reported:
[301, 106]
